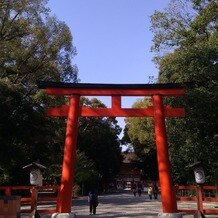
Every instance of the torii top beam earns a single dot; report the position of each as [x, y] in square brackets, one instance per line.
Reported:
[116, 91]
[93, 89]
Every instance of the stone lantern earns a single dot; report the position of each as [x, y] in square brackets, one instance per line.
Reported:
[35, 173]
[198, 168]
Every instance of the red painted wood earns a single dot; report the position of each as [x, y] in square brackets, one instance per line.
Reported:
[33, 198]
[211, 211]
[200, 191]
[116, 112]
[209, 187]
[116, 102]
[42, 199]
[168, 196]
[25, 200]
[158, 111]
[46, 198]
[8, 191]
[65, 193]
[111, 91]
[186, 198]
[185, 187]
[210, 199]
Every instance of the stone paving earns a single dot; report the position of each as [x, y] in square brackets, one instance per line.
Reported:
[124, 205]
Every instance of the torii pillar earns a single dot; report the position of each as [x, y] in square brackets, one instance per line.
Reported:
[73, 111]
[167, 191]
[68, 167]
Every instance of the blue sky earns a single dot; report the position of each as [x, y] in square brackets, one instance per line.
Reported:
[112, 38]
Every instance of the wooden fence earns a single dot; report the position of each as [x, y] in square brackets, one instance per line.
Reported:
[31, 195]
[200, 195]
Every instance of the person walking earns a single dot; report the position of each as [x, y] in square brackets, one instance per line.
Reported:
[139, 188]
[134, 190]
[155, 190]
[93, 202]
[150, 192]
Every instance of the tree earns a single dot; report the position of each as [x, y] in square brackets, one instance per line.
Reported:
[86, 176]
[186, 42]
[139, 132]
[98, 140]
[141, 129]
[34, 46]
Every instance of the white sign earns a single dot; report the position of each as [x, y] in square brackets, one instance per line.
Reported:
[199, 175]
[35, 177]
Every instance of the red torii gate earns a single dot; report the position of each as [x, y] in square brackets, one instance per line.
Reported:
[74, 110]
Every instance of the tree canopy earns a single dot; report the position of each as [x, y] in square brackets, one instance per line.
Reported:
[37, 46]
[139, 133]
[98, 140]
[34, 46]
[185, 43]
[189, 33]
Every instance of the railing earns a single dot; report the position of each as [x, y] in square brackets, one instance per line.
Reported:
[199, 194]
[32, 195]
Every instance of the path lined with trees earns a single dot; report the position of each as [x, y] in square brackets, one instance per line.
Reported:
[37, 46]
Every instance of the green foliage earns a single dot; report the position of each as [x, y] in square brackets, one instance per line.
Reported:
[34, 46]
[141, 129]
[169, 27]
[139, 132]
[86, 176]
[186, 45]
[98, 140]
[193, 58]
[25, 134]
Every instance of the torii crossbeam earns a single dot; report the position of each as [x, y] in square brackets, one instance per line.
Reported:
[74, 110]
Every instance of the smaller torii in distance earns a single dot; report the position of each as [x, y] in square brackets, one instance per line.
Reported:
[74, 110]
